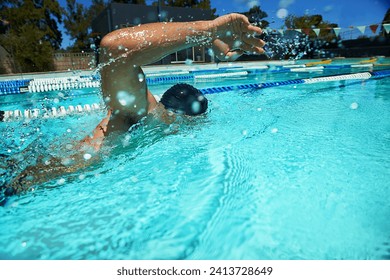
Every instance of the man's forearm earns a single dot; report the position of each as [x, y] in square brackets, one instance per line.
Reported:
[148, 43]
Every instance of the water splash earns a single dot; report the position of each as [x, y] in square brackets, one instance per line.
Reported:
[292, 45]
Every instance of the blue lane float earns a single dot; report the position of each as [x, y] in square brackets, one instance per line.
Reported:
[14, 87]
[355, 76]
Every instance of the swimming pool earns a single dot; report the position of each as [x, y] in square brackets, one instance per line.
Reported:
[298, 171]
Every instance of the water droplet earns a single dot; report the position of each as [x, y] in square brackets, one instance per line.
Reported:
[66, 161]
[24, 244]
[237, 44]
[195, 106]
[125, 98]
[274, 130]
[244, 132]
[141, 77]
[134, 179]
[81, 176]
[282, 13]
[61, 181]
[188, 61]
[354, 106]
[141, 111]
[87, 156]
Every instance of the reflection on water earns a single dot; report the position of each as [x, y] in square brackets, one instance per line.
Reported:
[283, 173]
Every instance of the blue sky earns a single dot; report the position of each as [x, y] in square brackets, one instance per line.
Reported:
[343, 12]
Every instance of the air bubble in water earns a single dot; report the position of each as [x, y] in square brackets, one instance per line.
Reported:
[274, 130]
[141, 77]
[188, 61]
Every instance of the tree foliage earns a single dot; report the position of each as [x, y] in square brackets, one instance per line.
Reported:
[32, 33]
[309, 22]
[77, 22]
[256, 15]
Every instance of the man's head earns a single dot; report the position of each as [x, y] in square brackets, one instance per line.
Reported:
[184, 99]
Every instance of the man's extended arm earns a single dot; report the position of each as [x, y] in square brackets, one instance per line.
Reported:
[124, 51]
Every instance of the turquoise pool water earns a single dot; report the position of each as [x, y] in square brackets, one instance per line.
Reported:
[294, 172]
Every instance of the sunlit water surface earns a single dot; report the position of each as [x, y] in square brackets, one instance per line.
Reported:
[296, 172]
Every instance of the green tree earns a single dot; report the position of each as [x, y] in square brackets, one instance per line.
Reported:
[308, 23]
[32, 34]
[97, 7]
[256, 15]
[77, 22]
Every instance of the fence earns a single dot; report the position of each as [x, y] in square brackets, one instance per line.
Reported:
[73, 61]
[61, 61]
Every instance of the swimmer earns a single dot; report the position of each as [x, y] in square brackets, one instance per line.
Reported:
[122, 54]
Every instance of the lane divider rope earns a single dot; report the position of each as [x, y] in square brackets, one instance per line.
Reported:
[355, 76]
[62, 111]
[37, 85]
[54, 112]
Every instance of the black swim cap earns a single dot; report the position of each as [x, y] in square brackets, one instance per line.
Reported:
[184, 99]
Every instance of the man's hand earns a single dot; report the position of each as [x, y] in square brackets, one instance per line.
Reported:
[234, 36]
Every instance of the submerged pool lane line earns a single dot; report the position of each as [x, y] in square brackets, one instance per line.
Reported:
[78, 109]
